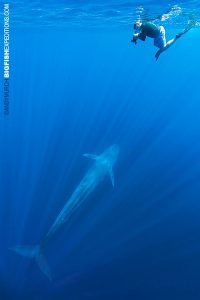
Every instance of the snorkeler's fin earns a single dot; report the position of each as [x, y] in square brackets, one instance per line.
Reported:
[191, 24]
[36, 253]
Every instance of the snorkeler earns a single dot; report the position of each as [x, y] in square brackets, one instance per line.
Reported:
[150, 29]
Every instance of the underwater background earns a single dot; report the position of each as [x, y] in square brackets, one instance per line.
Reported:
[78, 85]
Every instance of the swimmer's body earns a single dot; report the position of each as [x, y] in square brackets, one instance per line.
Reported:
[152, 30]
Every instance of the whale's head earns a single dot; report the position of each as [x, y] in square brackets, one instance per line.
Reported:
[111, 154]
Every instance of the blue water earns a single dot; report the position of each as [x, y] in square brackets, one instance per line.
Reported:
[79, 88]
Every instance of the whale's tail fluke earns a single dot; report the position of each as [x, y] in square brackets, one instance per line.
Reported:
[36, 253]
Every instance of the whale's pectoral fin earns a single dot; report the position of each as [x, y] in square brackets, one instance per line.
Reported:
[92, 156]
[111, 176]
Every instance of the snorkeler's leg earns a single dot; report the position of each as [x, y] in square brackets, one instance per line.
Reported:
[168, 44]
[191, 24]
[172, 41]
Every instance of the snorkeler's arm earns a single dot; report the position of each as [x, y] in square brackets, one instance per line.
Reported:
[142, 36]
[137, 36]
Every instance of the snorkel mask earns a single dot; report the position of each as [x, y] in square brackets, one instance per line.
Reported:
[137, 26]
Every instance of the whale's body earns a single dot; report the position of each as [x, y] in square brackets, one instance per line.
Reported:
[103, 165]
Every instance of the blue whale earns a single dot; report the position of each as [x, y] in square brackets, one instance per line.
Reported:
[103, 165]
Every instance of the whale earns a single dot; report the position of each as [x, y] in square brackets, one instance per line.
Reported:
[101, 167]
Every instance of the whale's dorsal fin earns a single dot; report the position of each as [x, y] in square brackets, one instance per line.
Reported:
[111, 176]
[92, 156]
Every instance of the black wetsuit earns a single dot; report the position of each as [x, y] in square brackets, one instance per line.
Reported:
[149, 29]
